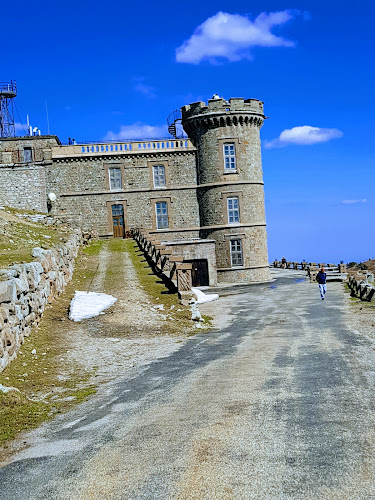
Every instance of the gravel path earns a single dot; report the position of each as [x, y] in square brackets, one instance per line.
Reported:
[129, 335]
[277, 403]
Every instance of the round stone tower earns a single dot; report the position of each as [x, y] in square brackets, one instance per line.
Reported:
[230, 184]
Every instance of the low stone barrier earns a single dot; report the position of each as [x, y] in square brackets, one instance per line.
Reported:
[305, 266]
[335, 272]
[175, 273]
[359, 287]
[25, 289]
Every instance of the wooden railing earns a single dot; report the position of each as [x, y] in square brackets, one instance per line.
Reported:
[175, 273]
[304, 266]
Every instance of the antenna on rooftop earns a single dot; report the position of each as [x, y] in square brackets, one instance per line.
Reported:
[8, 92]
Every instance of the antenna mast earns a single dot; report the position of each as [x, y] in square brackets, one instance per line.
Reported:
[8, 92]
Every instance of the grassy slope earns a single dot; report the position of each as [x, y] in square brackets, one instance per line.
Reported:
[19, 236]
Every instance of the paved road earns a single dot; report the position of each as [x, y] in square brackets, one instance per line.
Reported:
[277, 404]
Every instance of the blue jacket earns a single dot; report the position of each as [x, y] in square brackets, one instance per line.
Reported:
[321, 278]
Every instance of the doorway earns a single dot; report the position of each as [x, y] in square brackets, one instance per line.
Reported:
[118, 221]
[199, 272]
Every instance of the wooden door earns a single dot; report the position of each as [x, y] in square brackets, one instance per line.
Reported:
[118, 221]
[199, 272]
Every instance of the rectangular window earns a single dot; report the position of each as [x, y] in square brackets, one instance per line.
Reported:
[27, 155]
[161, 209]
[233, 210]
[236, 252]
[115, 178]
[229, 157]
[159, 176]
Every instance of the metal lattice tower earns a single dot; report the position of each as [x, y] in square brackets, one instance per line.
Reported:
[8, 92]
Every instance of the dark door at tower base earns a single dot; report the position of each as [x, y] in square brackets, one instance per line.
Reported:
[118, 221]
[199, 272]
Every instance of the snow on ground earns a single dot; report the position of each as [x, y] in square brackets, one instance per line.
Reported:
[89, 304]
[203, 297]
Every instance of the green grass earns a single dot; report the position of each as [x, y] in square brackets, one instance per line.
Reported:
[44, 393]
[152, 284]
[93, 248]
[21, 236]
[17, 413]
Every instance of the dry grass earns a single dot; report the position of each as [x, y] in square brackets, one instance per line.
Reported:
[19, 236]
[48, 386]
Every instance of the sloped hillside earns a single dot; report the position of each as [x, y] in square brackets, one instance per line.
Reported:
[21, 231]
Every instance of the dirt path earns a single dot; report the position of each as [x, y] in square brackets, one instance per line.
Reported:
[129, 335]
[72, 360]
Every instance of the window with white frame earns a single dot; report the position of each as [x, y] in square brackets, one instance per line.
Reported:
[161, 209]
[233, 210]
[159, 176]
[115, 178]
[236, 253]
[229, 157]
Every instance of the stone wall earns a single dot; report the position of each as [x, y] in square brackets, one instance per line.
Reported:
[23, 183]
[23, 186]
[12, 148]
[25, 289]
[84, 195]
[192, 250]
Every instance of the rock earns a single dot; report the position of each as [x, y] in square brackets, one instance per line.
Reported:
[8, 291]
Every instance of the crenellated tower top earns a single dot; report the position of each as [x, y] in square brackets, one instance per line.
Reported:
[220, 112]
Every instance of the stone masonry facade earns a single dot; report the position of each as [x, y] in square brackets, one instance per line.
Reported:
[209, 186]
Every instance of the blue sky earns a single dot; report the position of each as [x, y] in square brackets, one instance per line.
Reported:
[117, 69]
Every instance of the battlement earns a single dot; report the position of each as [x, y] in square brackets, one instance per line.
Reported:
[221, 106]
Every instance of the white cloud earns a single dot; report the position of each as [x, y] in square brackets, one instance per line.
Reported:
[143, 88]
[137, 130]
[353, 202]
[304, 136]
[231, 36]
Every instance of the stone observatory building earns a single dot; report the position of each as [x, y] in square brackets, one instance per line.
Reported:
[202, 195]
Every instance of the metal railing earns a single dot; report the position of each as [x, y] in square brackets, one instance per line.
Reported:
[8, 87]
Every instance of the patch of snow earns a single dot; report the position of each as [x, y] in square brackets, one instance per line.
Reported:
[203, 297]
[86, 305]
[195, 312]
[7, 389]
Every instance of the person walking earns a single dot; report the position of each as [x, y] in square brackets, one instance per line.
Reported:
[321, 278]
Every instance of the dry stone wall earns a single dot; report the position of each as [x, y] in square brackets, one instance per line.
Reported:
[25, 289]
